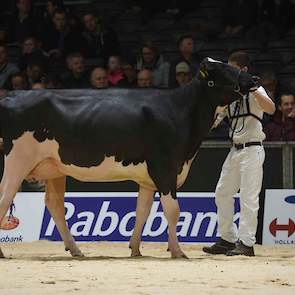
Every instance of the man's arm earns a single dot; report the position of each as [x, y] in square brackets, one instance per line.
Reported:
[264, 101]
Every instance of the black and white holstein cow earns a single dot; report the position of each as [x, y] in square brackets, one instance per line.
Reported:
[148, 136]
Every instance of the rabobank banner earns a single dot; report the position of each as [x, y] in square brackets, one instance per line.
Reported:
[111, 217]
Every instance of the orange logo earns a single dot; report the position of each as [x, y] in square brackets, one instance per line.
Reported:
[9, 223]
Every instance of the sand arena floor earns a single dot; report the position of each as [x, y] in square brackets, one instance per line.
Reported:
[45, 268]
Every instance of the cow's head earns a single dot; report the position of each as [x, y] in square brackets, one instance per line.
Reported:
[230, 83]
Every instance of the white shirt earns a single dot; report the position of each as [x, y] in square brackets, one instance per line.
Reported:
[247, 128]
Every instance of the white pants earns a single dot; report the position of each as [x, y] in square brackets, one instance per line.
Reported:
[242, 169]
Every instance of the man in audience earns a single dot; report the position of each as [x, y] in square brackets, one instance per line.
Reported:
[145, 79]
[183, 74]
[152, 59]
[6, 68]
[130, 73]
[282, 127]
[31, 53]
[17, 81]
[23, 23]
[35, 73]
[77, 77]
[98, 78]
[186, 54]
[102, 41]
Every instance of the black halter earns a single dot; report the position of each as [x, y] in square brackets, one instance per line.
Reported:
[236, 87]
[236, 115]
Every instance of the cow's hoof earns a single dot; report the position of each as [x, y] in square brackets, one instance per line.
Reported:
[135, 253]
[179, 254]
[78, 254]
[75, 253]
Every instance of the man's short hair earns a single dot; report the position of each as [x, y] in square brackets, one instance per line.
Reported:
[73, 55]
[58, 11]
[241, 58]
[286, 93]
[183, 37]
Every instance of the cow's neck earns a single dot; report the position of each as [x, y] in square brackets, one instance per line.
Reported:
[202, 116]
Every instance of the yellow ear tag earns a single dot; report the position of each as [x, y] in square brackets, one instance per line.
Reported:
[203, 74]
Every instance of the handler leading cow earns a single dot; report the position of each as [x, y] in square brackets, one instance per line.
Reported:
[148, 136]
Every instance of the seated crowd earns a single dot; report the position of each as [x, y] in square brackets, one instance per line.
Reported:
[61, 37]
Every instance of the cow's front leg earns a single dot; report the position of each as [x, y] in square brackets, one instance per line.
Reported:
[54, 200]
[143, 208]
[171, 212]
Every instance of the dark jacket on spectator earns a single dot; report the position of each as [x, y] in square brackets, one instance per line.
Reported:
[101, 44]
[67, 42]
[69, 81]
[37, 56]
[19, 29]
[277, 130]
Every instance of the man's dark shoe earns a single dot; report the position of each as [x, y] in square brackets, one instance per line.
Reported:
[220, 247]
[241, 249]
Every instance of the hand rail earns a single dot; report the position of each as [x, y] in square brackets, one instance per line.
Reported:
[287, 156]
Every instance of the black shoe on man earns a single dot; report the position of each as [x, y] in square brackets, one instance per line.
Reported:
[220, 247]
[241, 249]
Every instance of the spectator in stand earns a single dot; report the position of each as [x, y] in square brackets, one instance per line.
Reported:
[145, 79]
[23, 24]
[31, 53]
[186, 54]
[130, 73]
[17, 81]
[116, 76]
[54, 39]
[282, 127]
[98, 78]
[183, 74]
[35, 73]
[101, 40]
[61, 39]
[77, 76]
[74, 40]
[239, 16]
[151, 59]
[51, 6]
[6, 68]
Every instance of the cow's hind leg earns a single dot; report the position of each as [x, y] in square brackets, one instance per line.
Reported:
[54, 200]
[171, 212]
[143, 208]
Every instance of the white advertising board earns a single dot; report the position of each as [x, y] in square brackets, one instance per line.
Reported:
[279, 217]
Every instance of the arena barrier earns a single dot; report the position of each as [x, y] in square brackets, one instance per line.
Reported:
[111, 217]
[278, 174]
